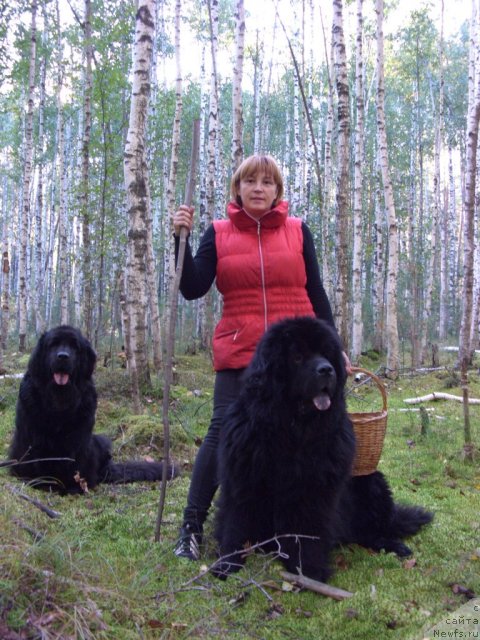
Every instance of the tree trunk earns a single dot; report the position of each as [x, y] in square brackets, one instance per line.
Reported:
[172, 180]
[138, 193]
[27, 179]
[357, 293]
[393, 353]
[342, 197]
[473, 118]
[237, 102]
[207, 327]
[87, 275]
[431, 275]
[5, 296]
[38, 281]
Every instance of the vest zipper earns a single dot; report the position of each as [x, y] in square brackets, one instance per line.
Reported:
[262, 271]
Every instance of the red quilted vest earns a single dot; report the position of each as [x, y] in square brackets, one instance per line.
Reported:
[261, 276]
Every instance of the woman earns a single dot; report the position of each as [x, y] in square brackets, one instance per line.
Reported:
[266, 269]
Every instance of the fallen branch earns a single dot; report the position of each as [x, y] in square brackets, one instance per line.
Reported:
[318, 587]
[439, 396]
[410, 409]
[36, 503]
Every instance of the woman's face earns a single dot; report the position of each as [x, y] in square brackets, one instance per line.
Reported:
[257, 193]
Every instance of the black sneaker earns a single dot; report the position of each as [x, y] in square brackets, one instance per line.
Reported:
[188, 544]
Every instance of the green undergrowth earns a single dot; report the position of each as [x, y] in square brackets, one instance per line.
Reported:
[96, 572]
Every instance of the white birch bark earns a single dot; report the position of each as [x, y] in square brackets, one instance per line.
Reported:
[444, 254]
[62, 182]
[392, 341]
[207, 328]
[137, 191]
[342, 191]
[257, 93]
[87, 293]
[172, 180]
[237, 102]
[431, 277]
[473, 118]
[38, 285]
[357, 294]
[26, 187]
[296, 197]
[378, 291]
[327, 273]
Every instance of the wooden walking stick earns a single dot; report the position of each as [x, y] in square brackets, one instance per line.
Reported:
[171, 327]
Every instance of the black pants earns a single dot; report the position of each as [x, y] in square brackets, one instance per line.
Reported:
[204, 481]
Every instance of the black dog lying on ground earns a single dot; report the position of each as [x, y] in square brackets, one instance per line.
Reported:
[55, 419]
[285, 461]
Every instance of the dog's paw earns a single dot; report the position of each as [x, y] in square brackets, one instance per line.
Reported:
[397, 547]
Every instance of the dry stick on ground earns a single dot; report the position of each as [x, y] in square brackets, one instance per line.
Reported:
[50, 512]
[171, 328]
[318, 587]
[439, 396]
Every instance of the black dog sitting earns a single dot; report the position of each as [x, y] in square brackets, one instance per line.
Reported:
[285, 459]
[55, 419]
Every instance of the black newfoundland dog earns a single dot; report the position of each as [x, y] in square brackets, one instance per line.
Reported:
[285, 460]
[53, 444]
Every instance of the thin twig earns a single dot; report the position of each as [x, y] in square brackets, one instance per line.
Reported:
[36, 503]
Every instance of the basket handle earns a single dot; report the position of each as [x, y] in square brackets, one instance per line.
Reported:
[377, 381]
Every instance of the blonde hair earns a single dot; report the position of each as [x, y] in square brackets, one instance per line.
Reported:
[252, 166]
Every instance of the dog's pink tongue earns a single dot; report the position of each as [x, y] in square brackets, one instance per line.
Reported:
[322, 401]
[60, 378]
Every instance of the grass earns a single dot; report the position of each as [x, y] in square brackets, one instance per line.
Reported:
[95, 572]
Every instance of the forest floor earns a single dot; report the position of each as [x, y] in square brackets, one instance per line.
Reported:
[95, 571]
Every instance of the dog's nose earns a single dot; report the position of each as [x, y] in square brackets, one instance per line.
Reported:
[325, 369]
[63, 355]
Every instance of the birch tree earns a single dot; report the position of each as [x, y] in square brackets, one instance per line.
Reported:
[431, 276]
[85, 216]
[237, 102]
[341, 78]
[357, 294]
[38, 283]
[27, 179]
[207, 328]
[172, 180]
[473, 119]
[137, 190]
[392, 341]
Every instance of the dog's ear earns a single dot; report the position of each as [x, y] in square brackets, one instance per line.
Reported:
[89, 357]
[36, 364]
[270, 360]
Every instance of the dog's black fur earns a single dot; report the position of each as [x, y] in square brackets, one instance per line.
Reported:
[285, 461]
[55, 418]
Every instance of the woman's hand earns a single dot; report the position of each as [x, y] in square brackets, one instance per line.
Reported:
[348, 364]
[183, 217]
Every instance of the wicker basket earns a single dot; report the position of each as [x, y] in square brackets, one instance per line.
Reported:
[369, 432]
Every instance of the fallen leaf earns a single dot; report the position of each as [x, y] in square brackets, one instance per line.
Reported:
[155, 624]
